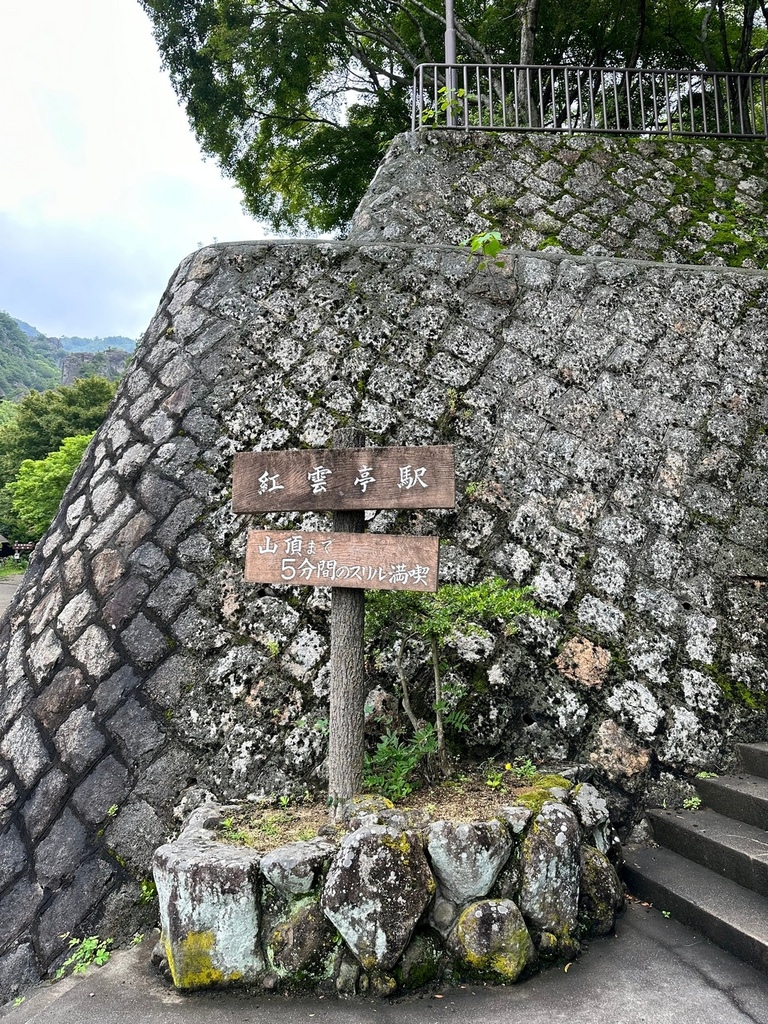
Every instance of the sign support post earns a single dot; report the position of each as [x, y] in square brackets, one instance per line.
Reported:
[346, 731]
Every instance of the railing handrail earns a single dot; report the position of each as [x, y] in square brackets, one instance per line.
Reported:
[581, 98]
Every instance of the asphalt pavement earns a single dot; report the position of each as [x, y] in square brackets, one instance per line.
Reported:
[8, 585]
[652, 971]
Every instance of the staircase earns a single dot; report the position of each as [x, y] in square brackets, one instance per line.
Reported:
[710, 870]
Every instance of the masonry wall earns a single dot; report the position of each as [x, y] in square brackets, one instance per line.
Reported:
[609, 419]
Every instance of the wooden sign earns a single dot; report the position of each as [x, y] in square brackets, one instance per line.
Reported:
[370, 561]
[344, 478]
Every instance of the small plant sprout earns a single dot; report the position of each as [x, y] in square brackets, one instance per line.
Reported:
[487, 245]
[706, 775]
[692, 803]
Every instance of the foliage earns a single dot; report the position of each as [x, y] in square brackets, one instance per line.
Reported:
[9, 567]
[85, 952]
[692, 803]
[25, 362]
[44, 419]
[486, 244]
[38, 488]
[390, 769]
[454, 608]
[39, 425]
[519, 770]
[402, 616]
[296, 100]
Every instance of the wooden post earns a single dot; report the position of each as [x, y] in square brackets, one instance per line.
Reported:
[346, 740]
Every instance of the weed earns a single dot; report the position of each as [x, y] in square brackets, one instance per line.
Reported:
[85, 952]
[706, 775]
[666, 913]
[112, 811]
[692, 803]
[390, 769]
[148, 890]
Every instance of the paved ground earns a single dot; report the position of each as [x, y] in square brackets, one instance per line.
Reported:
[654, 971]
[8, 585]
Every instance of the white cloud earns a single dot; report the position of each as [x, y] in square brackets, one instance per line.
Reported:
[103, 189]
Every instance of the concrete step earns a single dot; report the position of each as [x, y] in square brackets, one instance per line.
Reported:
[731, 916]
[731, 848]
[754, 758]
[743, 797]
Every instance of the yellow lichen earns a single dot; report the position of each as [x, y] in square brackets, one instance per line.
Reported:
[191, 964]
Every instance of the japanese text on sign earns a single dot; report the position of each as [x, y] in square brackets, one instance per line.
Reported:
[370, 561]
[354, 478]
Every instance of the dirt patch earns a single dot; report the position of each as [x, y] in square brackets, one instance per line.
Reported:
[474, 793]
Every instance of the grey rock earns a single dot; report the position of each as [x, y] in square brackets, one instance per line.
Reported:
[209, 913]
[549, 862]
[376, 890]
[294, 869]
[490, 940]
[466, 858]
[601, 895]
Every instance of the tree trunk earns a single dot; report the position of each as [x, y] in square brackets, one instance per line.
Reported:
[528, 26]
[346, 739]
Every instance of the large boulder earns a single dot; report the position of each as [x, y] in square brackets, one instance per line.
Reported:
[600, 893]
[467, 858]
[549, 889]
[209, 910]
[377, 888]
[294, 869]
[490, 938]
[299, 942]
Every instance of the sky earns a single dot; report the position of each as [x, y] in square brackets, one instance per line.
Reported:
[103, 188]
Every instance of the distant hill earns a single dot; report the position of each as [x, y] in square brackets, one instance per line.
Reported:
[82, 344]
[97, 344]
[26, 361]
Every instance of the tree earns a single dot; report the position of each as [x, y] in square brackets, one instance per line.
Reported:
[37, 491]
[45, 419]
[25, 362]
[297, 99]
[403, 617]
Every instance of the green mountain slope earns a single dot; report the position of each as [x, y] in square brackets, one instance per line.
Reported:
[25, 362]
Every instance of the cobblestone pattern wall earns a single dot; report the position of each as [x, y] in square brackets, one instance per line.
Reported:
[610, 429]
[653, 199]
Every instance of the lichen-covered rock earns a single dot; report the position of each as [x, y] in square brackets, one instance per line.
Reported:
[600, 892]
[300, 942]
[492, 941]
[596, 827]
[376, 890]
[294, 869]
[549, 868]
[209, 913]
[466, 858]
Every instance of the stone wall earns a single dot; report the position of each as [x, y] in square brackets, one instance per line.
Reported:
[609, 420]
[695, 201]
[395, 899]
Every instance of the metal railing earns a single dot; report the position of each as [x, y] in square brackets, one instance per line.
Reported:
[615, 101]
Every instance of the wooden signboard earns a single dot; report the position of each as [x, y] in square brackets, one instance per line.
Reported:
[367, 561]
[343, 479]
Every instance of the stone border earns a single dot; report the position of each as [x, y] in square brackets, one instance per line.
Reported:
[397, 903]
